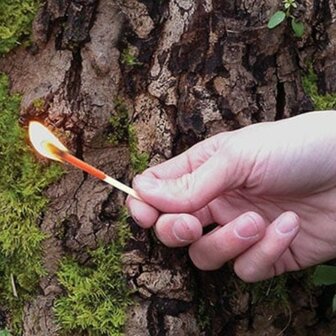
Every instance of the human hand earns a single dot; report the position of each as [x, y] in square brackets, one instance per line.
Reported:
[270, 187]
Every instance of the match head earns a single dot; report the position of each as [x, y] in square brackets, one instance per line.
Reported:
[45, 142]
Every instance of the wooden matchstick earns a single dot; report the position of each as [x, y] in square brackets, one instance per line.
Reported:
[69, 158]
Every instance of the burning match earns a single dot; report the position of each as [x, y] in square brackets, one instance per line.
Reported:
[49, 146]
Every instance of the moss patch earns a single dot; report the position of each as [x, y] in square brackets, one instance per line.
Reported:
[273, 292]
[97, 296]
[4, 332]
[119, 123]
[321, 102]
[203, 314]
[21, 181]
[16, 17]
[129, 58]
[276, 292]
[139, 160]
[122, 131]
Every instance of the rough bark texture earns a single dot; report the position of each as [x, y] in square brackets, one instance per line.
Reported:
[202, 67]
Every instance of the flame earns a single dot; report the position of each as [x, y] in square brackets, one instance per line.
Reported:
[44, 141]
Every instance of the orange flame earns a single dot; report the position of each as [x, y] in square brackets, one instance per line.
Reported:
[44, 141]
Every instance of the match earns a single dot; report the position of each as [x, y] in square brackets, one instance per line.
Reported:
[49, 146]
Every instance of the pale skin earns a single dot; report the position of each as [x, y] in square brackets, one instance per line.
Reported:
[270, 188]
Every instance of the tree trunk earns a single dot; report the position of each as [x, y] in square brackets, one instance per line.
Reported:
[183, 70]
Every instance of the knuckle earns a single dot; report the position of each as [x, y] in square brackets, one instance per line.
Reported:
[185, 187]
[186, 182]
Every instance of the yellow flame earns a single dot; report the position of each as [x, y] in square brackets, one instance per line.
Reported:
[41, 138]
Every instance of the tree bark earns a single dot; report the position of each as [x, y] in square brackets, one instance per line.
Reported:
[201, 67]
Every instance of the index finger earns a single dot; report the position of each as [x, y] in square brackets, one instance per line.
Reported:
[186, 162]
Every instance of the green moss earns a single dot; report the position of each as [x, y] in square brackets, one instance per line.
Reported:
[274, 291]
[203, 314]
[4, 332]
[21, 181]
[321, 102]
[39, 105]
[139, 160]
[119, 123]
[123, 131]
[128, 58]
[97, 297]
[15, 22]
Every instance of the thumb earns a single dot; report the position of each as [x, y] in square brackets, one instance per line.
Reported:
[193, 190]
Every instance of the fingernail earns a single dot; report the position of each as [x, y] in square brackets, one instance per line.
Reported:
[287, 223]
[247, 227]
[145, 183]
[182, 231]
